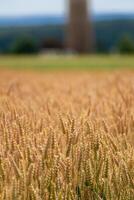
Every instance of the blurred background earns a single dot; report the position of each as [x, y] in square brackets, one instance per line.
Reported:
[67, 34]
[48, 26]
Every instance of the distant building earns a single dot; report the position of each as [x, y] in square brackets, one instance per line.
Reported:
[79, 37]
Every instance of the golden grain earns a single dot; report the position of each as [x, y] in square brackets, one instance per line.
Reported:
[67, 136]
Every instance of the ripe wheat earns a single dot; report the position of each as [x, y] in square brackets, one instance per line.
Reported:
[67, 136]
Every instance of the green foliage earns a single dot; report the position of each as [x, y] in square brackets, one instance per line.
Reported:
[126, 45]
[107, 34]
[24, 45]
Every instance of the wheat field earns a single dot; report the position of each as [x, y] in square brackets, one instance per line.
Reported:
[67, 136]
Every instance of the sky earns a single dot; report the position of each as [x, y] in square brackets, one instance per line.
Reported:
[47, 7]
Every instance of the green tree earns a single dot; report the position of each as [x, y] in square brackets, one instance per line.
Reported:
[126, 45]
[24, 45]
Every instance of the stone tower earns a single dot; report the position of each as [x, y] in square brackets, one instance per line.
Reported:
[79, 27]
